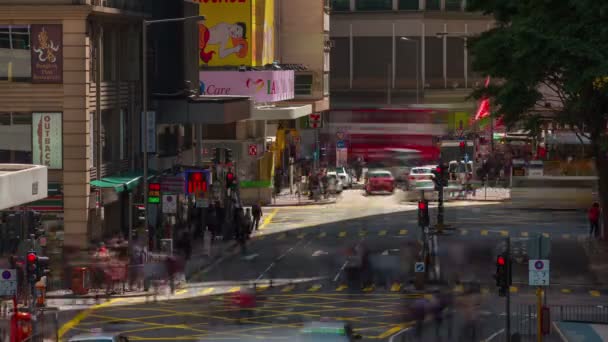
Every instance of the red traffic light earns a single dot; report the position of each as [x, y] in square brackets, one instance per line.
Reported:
[230, 176]
[438, 169]
[31, 258]
[462, 144]
[501, 261]
[421, 205]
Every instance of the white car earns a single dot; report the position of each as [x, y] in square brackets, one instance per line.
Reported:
[420, 178]
[345, 177]
[338, 183]
[99, 337]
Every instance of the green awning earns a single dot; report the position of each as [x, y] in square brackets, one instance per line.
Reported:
[120, 183]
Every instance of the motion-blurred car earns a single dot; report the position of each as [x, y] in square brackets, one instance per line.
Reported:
[339, 186]
[99, 337]
[420, 178]
[345, 177]
[379, 181]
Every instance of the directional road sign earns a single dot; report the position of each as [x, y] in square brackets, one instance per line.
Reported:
[538, 272]
[8, 282]
[419, 267]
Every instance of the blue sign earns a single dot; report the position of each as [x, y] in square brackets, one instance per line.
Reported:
[419, 267]
[466, 157]
[340, 144]
[6, 275]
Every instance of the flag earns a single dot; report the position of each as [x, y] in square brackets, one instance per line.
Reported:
[484, 106]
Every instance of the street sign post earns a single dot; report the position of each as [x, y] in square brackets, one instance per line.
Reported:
[253, 149]
[419, 267]
[8, 282]
[169, 204]
[538, 272]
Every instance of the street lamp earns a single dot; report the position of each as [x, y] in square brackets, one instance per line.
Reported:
[144, 55]
[406, 39]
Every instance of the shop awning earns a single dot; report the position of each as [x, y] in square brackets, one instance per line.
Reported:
[280, 112]
[119, 183]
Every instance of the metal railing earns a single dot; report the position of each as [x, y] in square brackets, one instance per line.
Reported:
[524, 319]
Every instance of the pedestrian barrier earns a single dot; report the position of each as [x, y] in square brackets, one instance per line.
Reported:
[525, 316]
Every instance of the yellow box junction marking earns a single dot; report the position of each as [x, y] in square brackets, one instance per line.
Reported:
[82, 315]
[403, 232]
[362, 233]
[369, 288]
[504, 232]
[181, 292]
[341, 288]
[262, 288]
[594, 293]
[396, 287]
[342, 234]
[382, 233]
[288, 288]
[234, 289]
[269, 218]
[566, 291]
[315, 288]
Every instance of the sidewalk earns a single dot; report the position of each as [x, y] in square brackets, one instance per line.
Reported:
[285, 199]
[597, 252]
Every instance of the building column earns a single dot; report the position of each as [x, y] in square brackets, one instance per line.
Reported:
[466, 56]
[76, 133]
[444, 49]
[422, 57]
[350, 56]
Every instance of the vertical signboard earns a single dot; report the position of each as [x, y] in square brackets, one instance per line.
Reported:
[225, 38]
[151, 127]
[47, 53]
[47, 140]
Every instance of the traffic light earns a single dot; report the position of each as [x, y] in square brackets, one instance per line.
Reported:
[139, 215]
[216, 156]
[230, 180]
[323, 153]
[462, 146]
[423, 213]
[503, 274]
[228, 156]
[31, 263]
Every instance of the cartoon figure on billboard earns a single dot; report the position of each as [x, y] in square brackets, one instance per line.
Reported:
[230, 38]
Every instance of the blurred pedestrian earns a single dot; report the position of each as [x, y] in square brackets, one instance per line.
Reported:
[594, 220]
[418, 313]
[172, 271]
[248, 222]
[256, 211]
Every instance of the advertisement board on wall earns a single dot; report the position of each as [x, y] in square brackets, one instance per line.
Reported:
[47, 140]
[47, 53]
[262, 86]
[225, 38]
[264, 30]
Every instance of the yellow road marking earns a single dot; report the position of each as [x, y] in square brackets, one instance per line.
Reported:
[288, 288]
[464, 232]
[382, 233]
[342, 234]
[403, 232]
[504, 232]
[206, 291]
[396, 287]
[546, 235]
[315, 288]
[82, 315]
[513, 289]
[566, 236]
[269, 218]
[392, 331]
[234, 289]
[428, 296]
[323, 234]
[181, 292]
[566, 291]
[341, 288]
[524, 234]
[262, 288]
[301, 236]
[369, 288]
[594, 293]
[484, 232]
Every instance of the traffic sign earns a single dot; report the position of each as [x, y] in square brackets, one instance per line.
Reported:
[314, 120]
[8, 282]
[419, 267]
[340, 144]
[253, 149]
[169, 204]
[538, 272]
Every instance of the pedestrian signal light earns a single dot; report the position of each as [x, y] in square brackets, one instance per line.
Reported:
[423, 213]
[500, 261]
[196, 182]
[31, 258]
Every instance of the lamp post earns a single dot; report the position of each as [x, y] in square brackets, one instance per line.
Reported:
[406, 39]
[144, 55]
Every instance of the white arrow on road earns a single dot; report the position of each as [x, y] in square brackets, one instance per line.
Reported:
[319, 253]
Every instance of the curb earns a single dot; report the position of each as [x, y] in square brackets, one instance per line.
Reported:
[299, 204]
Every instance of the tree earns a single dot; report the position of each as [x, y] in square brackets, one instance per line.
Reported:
[550, 58]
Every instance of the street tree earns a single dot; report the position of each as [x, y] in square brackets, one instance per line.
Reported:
[549, 60]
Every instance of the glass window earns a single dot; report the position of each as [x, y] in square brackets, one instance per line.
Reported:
[433, 5]
[15, 55]
[325, 84]
[303, 84]
[411, 5]
[16, 138]
[340, 5]
[453, 5]
[374, 5]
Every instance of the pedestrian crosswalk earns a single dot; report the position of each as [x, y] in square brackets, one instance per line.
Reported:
[389, 233]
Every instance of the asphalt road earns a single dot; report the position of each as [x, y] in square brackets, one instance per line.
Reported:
[302, 251]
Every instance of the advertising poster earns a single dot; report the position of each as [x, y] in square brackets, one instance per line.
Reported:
[264, 30]
[262, 86]
[47, 53]
[47, 144]
[225, 38]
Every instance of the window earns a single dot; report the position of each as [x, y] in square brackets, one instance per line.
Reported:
[411, 5]
[15, 55]
[340, 5]
[303, 84]
[374, 5]
[16, 138]
[108, 61]
[111, 135]
[453, 5]
[433, 5]
[325, 84]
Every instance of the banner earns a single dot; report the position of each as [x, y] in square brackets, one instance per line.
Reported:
[47, 53]
[225, 36]
[47, 140]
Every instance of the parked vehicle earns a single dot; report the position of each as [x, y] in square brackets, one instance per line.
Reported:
[344, 176]
[380, 181]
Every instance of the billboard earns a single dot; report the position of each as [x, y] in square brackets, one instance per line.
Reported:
[225, 38]
[47, 142]
[261, 86]
[264, 32]
[47, 53]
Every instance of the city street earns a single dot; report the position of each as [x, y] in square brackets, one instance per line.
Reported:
[297, 262]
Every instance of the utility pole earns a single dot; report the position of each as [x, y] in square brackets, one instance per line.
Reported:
[508, 301]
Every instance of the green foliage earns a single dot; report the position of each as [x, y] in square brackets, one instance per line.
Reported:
[546, 58]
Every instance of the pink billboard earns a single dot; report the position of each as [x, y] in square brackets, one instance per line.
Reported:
[262, 86]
